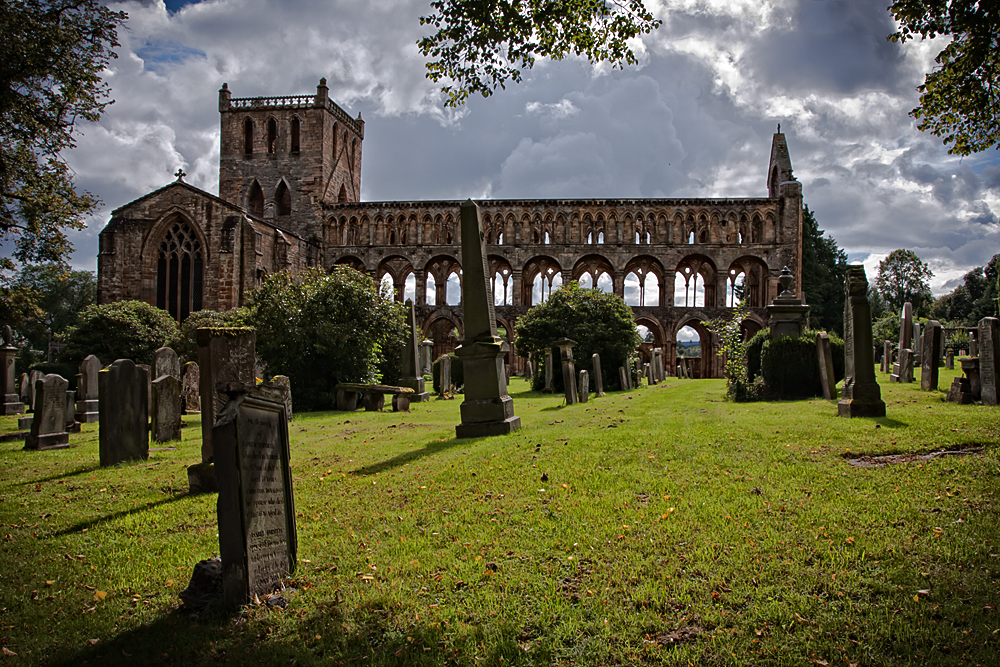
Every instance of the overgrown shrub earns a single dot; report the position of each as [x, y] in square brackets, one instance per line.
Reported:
[790, 365]
[185, 343]
[457, 372]
[122, 330]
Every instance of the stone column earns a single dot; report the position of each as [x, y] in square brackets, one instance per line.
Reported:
[598, 377]
[583, 386]
[932, 342]
[826, 375]
[565, 346]
[487, 408]
[8, 391]
[989, 357]
[427, 354]
[861, 396]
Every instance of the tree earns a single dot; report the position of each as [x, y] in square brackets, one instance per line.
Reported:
[903, 277]
[122, 330]
[481, 44]
[58, 297]
[51, 58]
[824, 269]
[971, 301]
[598, 322]
[321, 329]
[960, 99]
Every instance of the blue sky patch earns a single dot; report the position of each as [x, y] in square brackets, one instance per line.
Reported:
[158, 54]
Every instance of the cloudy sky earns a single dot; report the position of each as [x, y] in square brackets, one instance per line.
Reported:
[694, 119]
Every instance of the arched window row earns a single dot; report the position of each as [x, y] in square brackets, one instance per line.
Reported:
[258, 204]
[278, 137]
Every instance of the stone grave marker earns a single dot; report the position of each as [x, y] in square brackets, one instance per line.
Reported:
[905, 366]
[598, 378]
[258, 541]
[529, 370]
[225, 354]
[191, 381]
[974, 346]
[149, 386]
[69, 412]
[445, 375]
[124, 405]
[165, 362]
[966, 389]
[989, 357]
[929, 369]
[87, 403]
[565, 346]
[949, 359]
[917, 344]
[285, 383]
[48, 425]
[548, 373]
[166, 416]
[623, 378]
[426, 356]
[412, 375]
[12, 405]
[583, 385]
[906, 327]
[25, 391]
[826, 375]
[887, 357]
[861, 396]
[33, 379]
[487, 409]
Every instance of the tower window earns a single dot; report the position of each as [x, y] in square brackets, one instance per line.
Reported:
[272, 134]
[283, 200]
[255, 200]
[179, 272]
[248, 136]
[295, 135]
[342, 195]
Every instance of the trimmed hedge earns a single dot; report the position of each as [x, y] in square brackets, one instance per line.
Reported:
[789, 366]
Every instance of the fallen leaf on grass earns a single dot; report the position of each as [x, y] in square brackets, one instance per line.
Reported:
[100, 595]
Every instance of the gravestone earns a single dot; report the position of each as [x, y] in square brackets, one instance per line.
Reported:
[165, 362]
[973, 347]
[191, 381]
[411, 374]
[33, 379]
[786, 313]
[69, 412]
[25, 391]
[124, 421]
[861, 396]
[548, 389]
[285, 383]
[565, 346]
[917, 344]
[225, 354]
[647, 372]
[887, 357]
[638, 370]
[905, 366]
[966, 389]
[87, 404]
[826, 375]
[906, 327]
[989, 357]
[149, 386]
[258, 541]
[583, 386]
[529, 370]
[949, 359]
[623, 378]
[598, 378]
[971, 368]
[487, 408]
[48, 424]
[932, 341]
[445, 375]
[12, 405]
[166, 415]
[427, 353]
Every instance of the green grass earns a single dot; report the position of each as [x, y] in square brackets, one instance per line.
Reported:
[668, 513]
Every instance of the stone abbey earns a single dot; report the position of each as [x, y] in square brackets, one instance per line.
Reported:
[289, 199]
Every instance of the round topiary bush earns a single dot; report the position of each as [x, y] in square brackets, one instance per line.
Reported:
[123, 330]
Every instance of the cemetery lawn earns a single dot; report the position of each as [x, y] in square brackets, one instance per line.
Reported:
[660, 526]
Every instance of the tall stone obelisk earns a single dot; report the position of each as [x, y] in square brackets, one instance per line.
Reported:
[487, 408]
[861, 395]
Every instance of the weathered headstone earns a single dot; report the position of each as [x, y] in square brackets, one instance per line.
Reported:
[598, 378]
[548, 389]
[906, 327]
[637, 362]
[225, 354]
[445, 375]
[949, 359]
[426, 356]
[623, 378]
[887, 357]
[191, 387]
[917, 344]
[973, 347]
[487, 409]
[124, 424]
[33, 379]
[583, 386]
[933, 341]
[647, 372]
[48, 425]
[861, 396]
[971, 368]
[989, 358]
[966, 389]
[166, 415]
[285, 383]
[87, 408]
[12, 405]
[826, 376]
[411, 373]
[25, 391]
[149, 386]
[165, 362]
[529, 370]
[565, 346]
[258, 541]
[69, 412]
[905, 366]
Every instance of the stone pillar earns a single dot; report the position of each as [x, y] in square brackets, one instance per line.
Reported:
[166, 415]
[861, 396]
[916, 344]
[826, 375]
[412, 374]
[583, 386]
[48, 425]
[598, 377]
[786, 313]
[427, 354]
[905, 366]
[887, 357]
[989, 357]
[124, 429]
[165, 362]
[929, 370]
[487, 408]
[906, 327]
[548, 389]
[11, 403]
[565, 346]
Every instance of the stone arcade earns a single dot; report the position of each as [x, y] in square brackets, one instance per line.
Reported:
[289, 198]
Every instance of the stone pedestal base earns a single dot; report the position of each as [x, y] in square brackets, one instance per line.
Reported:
[488, 416]
[24, 423]
[417, 385]
[11, 405]
[47, 441]
[87, 411]
[862, 406]
[201, 478]
[487, 408]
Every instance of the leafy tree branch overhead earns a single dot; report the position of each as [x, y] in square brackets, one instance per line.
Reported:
[960, 99]
[480, 45]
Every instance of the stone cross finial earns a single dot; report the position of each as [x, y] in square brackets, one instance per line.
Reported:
[779, 128]
[180, 175]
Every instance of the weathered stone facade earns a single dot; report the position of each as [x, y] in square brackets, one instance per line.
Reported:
[290, 182]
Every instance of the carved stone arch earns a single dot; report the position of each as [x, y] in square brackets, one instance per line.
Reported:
[362, 236]
[271, 135]
[543, 265]
[631, 229]
[283, 199]
[703, 267]
[294, 134]
[678, 229]
[175, 259]
[702, 232]
[450, 235]
[410, 234]
[500, 268]
[561, 230]
[744, 229]
[594, 266]
[756, 282]
[655, 327]
[397, 268]
[574, 234]
[510, 230]
[253, 199]
[706, 366]
[642, 266]
[751, 324]
[756, 229]
[715, 227]
[489, 234]
[440, 326]
[588, 233]
[769, 236]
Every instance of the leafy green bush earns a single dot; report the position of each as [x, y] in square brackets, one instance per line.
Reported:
[457, 372]
[755, 347]
[790, 365]
[886, 328]
[185, 343]
[123, 330]
[321, 329]
[598, 321]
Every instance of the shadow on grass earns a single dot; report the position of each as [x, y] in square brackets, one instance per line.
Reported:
[432, 447]
[890, 423]
[65, 475]
[87, 525]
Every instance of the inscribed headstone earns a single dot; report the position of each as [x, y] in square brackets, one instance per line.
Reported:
[598, 378]
[906, 327]
[929, 370]
[69, 412]
[565, 346]
[191, 387]
[887, 357]
[166, 415]
[861, 396]
[826, 377]
[123, 388]
[87, 408]
[258, 541]
[48, 426]
[165, 362]
[445, 374]
[623, 378]
[989, 358]
[548, 373]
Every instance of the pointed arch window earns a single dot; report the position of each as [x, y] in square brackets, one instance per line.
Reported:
[294, 131]
[342, 195]
[248, 136]
[180, 272]
[272, 134]
[283, 200]
[255, 200]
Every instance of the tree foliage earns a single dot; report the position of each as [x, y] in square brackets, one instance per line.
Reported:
[960, 99]
[122, 330]
[480, 45]
[902, 277]
[321, 329]
[51, 58]
[598, 321]
[824, 269]
[971, 301]
[734, 350]
[57, 298]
